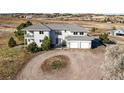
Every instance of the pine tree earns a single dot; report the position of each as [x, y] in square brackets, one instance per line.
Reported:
[11, 42]
[46, 43]
[33, 47]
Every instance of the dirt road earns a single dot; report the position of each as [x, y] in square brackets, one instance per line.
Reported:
[84, 65]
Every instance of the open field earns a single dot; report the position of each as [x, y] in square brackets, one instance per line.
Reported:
[4, 37]
[87, 24]
[11, 59]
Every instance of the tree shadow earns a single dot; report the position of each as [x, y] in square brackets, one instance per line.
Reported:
[96, 43]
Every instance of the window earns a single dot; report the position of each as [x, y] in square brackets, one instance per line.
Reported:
[28, 40]
[75, 33]
[25, 32]
[40, 40]
[41, 32]
[59, 33]
[81, 33]
[32, 32]
[32, 40]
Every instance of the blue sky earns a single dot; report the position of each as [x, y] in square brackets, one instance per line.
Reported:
[63, 6]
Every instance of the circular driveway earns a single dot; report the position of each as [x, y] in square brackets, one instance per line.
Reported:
[84, 65]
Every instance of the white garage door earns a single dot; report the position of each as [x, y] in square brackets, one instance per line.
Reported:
[74, 45]
[85, 44]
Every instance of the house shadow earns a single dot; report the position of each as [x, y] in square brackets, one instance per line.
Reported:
[96, 43]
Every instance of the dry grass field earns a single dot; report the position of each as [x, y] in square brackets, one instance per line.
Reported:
[4, 37]
[11, 59]
[87, 24]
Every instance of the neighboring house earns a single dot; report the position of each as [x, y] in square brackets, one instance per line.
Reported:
[119, 32]
[29, 17]
[74, 35]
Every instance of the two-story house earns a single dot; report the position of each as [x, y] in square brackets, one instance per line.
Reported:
[74, 35]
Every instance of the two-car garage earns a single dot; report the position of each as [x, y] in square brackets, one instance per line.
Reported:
[79, 42]
[73, 45]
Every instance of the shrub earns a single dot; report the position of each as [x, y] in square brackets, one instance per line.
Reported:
[33, 47]
[11, 42]
[113, 28]
[20, 35]
[55, 63]
[46, 43]
[93, 29]
[104, 39]
[28, 23]
[58, 64]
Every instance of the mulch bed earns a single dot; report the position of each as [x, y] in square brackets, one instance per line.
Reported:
[55, 64]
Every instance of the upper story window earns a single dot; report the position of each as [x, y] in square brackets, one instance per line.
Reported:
[32, 31]
[28, 40]
[41, 32]
[81, 33]
[75, 33]
[59, 33]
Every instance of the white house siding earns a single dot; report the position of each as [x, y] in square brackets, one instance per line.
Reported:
[29, 37]
[68, 33]
[36, 37]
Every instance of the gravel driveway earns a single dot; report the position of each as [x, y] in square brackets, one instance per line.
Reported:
[84, 65]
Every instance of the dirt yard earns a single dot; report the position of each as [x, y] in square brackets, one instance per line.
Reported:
[85, 65]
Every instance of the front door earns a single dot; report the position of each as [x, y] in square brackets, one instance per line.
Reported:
[58, 41]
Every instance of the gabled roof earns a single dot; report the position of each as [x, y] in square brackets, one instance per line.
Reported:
[58, 27]
[79, 38]
[69, 27]
[37, 27]
[118, 30]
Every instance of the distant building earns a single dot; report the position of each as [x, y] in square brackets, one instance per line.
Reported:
[119, 32]
[98, 18]
[29, 17]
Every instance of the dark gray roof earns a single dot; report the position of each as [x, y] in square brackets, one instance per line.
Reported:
[37, 27]
[69, 27]
[79, 38]
[58, 27]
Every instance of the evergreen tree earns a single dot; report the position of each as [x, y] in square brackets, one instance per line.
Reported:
[33, 47]
[20, 33]
[11, 42]
[46, 43]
